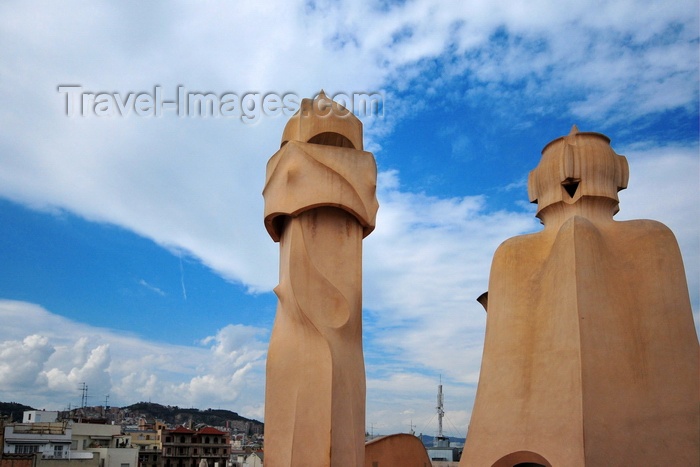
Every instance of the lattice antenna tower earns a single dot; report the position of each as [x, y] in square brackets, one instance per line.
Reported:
[440, 408]
[83, 395]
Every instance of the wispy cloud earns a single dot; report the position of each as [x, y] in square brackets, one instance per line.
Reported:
[152, 288]
[182, 278]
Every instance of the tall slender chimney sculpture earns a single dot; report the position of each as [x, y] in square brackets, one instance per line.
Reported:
[319, 204]
[590, 355]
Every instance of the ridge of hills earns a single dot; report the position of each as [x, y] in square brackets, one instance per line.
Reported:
[178, 415]
[172, 415]
[13, 410]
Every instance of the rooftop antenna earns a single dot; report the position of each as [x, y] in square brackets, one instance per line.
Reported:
[440, 408]
[84, 395]
[440, 440]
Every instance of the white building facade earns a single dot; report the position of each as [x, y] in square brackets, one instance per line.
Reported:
[51, 439]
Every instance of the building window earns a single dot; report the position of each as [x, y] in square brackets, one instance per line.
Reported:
[26, 449]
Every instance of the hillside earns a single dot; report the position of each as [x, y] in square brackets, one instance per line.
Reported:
[13, 411]
[171, 415]
[176, 415]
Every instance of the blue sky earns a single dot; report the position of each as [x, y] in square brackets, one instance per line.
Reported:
[134, 256]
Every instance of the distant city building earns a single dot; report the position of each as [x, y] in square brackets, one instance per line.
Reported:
[114, 448]
[444, 456]
[50, 439]
[72, 444]
[183, 447]
[147, 439]
[137, 442]
[36, 416]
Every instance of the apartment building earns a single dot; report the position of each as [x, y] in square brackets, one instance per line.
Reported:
[183, 447]
[67, 443]
[52, 440]
[113, 447]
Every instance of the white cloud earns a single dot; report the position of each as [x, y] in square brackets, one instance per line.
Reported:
[21, 362]
[58, 355]
[664, 186]
[195, 184]
[88, 364]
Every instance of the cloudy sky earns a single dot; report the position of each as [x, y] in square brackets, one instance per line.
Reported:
[133, 256]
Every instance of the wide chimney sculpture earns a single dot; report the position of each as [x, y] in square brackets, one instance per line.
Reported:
[320, 202]
[590, 354]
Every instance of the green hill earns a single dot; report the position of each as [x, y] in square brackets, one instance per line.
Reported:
[13, 411]
[178, 415]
